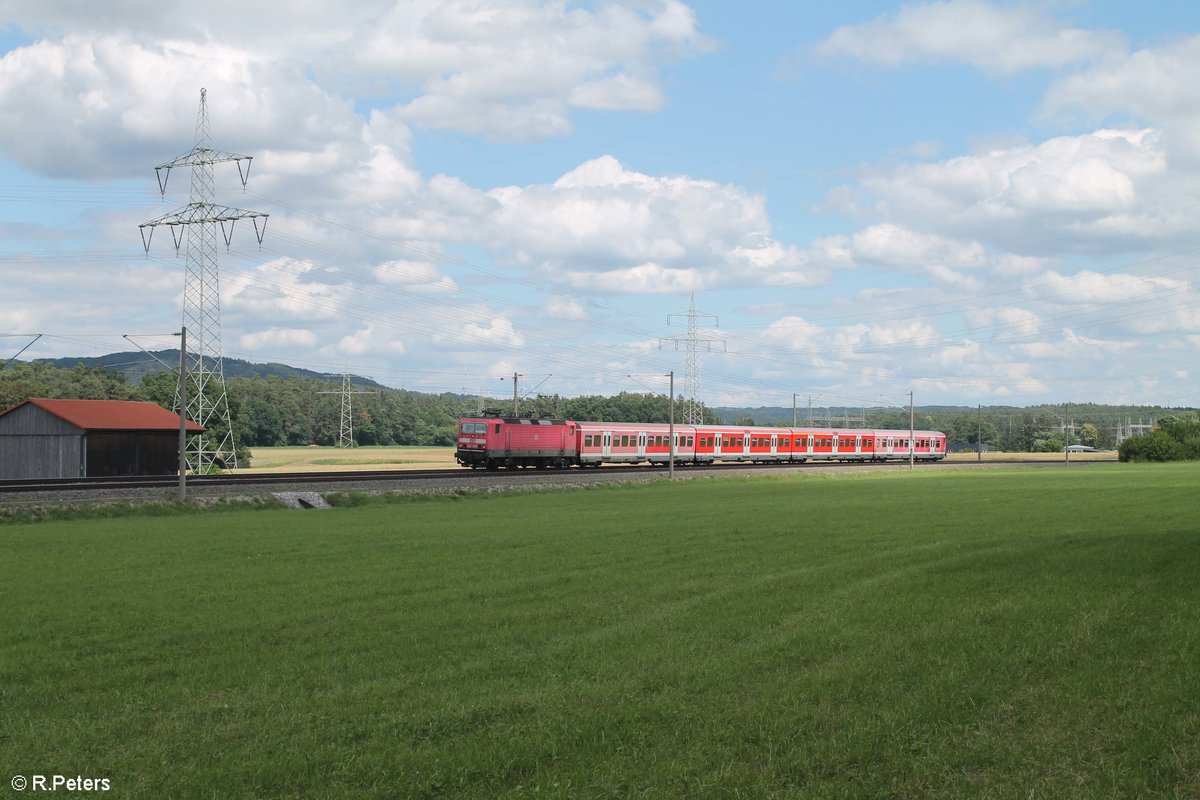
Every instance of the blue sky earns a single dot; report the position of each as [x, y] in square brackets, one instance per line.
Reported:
[979, 202]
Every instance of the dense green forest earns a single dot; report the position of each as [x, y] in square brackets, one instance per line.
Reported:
[274, 410]
[303, 408]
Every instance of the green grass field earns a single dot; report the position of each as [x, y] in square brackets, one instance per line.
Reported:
[338, 459]
[1020, 633]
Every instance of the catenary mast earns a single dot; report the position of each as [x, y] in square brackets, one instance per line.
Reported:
[199, 220]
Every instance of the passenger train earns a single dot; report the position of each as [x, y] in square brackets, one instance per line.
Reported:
[511, 442]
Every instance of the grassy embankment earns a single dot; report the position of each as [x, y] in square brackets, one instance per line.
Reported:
[1010, 634]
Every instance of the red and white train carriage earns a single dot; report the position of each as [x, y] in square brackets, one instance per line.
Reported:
[494, 442]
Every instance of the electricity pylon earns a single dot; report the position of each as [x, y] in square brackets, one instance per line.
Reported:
[207, 403]
[693, 410]
[346, 429]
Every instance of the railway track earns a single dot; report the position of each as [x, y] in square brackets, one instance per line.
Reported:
[165, 488]
[203, 481]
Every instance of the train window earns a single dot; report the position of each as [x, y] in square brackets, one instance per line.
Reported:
[497, 427]
[688, 443]
[587, 441]
[624, 441]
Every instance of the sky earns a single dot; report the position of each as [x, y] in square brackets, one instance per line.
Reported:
[977, 202]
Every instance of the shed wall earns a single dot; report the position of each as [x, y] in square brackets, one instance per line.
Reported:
[132, 453]
[31, 420]
[41, 456]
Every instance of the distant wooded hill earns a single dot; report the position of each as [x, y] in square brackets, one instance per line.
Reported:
[136, 365]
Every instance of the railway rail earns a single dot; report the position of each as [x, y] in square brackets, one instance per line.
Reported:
[72, 491]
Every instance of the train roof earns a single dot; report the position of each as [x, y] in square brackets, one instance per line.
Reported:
[718, 428]
[736, 428]
[521, 420]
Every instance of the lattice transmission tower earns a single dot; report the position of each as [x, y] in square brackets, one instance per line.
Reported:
[198, 221]
[692, 410]
[346, 429]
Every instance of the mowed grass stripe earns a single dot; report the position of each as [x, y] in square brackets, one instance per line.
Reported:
[868, 635]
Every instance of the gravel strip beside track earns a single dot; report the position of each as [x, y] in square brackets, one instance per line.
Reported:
[261, 486]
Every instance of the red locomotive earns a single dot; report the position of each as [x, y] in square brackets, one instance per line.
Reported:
[510, 442]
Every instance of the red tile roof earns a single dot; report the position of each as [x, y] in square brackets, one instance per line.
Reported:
[111, 415]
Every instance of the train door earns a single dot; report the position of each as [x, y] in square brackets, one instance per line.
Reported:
[607, 444]
[858, 444]
[774, 446]
[641, 445]
[834, 441]
[810, 444]
[890, 445]
[718, 440]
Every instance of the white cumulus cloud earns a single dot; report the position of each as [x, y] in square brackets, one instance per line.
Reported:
[993, 37]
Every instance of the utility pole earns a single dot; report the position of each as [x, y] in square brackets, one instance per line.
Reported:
[207, 403]
[516, 399]
[979, 432]
[182, 390]
[1066, 436]
[346, 428]
[671, 430]
[693, 410]
[912, 430]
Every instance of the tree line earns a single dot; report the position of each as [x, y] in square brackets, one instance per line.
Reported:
[297, 411]
[279, 410]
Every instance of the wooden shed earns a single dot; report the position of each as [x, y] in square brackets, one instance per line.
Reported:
[43, 438]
